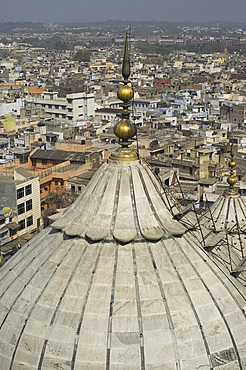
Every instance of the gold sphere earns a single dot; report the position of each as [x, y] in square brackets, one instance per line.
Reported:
[125, 129]
[232, 164]
[125, 93]
[232, 180]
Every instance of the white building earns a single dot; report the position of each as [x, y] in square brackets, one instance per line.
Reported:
[21, 193]
[13, 108]
[210, 68]
[73, 107]
[28, 201]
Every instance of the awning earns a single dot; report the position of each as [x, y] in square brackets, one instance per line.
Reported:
[12, 225]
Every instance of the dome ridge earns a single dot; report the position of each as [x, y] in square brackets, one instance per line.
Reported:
[121, 202]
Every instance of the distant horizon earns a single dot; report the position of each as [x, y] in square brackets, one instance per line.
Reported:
[92, 11]
[124, 21]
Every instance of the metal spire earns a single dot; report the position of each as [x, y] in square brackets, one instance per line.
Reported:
[125, 129]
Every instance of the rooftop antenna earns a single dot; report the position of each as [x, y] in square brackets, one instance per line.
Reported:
[198, 222]
[210, 213]
[229, 249]
[239, 235]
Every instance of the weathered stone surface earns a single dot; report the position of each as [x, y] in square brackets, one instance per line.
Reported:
[139, 298]
[120, 202]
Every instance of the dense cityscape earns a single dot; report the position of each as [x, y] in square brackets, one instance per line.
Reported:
[171, 197]
[58, 90]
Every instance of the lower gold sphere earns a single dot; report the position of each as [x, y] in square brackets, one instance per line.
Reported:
[125, 129]
[232, 180]
[125, 93]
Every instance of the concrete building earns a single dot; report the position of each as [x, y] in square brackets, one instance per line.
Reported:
[11, 108]
[235, 113]
[108, 114]
[55, 167]
[77, 184]
[4, 74]
[21, 192]
[74, 107]
[139, 106]
[8, 228]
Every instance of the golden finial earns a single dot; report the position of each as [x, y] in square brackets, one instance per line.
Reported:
[125, 129]
[232, 179]
[126, 62]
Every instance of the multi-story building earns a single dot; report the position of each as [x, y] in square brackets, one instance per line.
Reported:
[235, 113]
[11, 108]
[74, 107]
[21, 192]
[8, 229]
[55, 167]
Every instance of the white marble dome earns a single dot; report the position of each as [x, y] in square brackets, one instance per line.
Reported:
[118, 283]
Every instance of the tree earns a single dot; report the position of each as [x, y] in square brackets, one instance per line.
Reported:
[82, 55]
[57, 199]
[71, 85]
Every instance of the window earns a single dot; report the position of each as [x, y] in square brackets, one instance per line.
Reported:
[3, 234]
[29, 221]
[21, 208]
[20, 193]
[22, 225]
[28, 189]
[13, 232]
[79, 188]
[28, 205]
[44, 161]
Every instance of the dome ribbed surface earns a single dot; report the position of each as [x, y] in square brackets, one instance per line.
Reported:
[74, 305]
[125, 201]
[227, 213]
[70, 302]
[224, 235]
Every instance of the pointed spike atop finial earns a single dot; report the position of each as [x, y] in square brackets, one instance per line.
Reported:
[126, 61]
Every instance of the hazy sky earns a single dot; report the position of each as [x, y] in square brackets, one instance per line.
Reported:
[101, 10]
